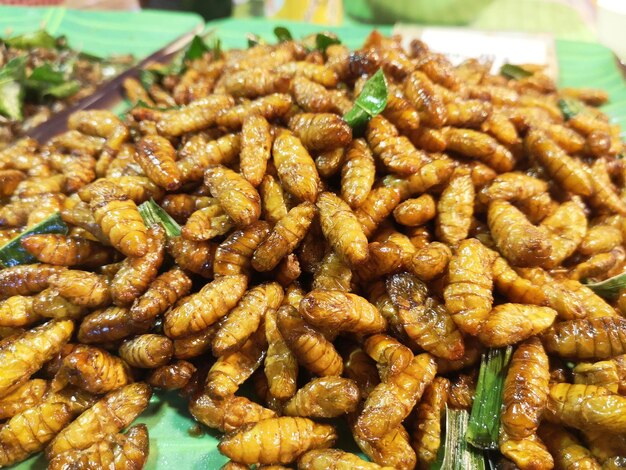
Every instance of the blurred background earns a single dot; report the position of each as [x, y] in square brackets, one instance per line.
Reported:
[582, 20]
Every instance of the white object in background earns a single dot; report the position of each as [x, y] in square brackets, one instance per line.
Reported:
[460, 44]
[611, 23]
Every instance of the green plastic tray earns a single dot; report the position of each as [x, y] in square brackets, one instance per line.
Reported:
[171, 444]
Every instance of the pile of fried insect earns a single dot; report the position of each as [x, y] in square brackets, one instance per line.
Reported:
[430, 253]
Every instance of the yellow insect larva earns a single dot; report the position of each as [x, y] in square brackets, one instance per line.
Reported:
[236, 195]
[157, 158]
[256, 145]
[455, 209]
[234, 255]
[321, 131]
[511, 323]
[415, 212]
[196, 116]
[357, 174]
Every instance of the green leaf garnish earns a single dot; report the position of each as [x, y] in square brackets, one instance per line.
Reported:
[254, 40]
[484, 422]
[11, 88]
[196, 49]
[609, 288]
[39, 38]
[370, 102]
[514, 72]
[45, 73]
[152, 214]
[454, 453]
[323, 40]
[143, 104]
[13, 253]
[63, 90]
[570, 107]
[282, 34]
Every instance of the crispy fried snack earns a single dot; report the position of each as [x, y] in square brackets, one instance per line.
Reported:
[82, 288]
[243, 320]
[194, 345]
[284, 238]
[455, 209]
[125, 451]
[392, 449]
[147, 351]
[392, 401]
[600, 239]
[198, 115]
[310, 96]
[341, 312]
[61, 250]
[234, 255]
[236, 195]
[281, 365]
[425, 321]
[321, 131]
[525, 390]
[136, 274]
[426, 436]
[379, 203]
[229, 414]
[528, 453]
[295, 167]
[109, 415]
[26, 279]
[195, 159]
[430, 261]
[18, 311]
[360, 368]
[93, 370]
[26, 396]
[256, 145]
[173, 376]
[567, 227]
[270, 107]
[511, 323]
[253, 83]
[312, 350]
[568, 452]
[334, 459]
[119, 219]
[324, 397]
[194, 256]
[24, 354]
[421, 93]
[273, 203]
[516, 288]
[479, 146]
[357, 174]
[276, 440]
[342, 229]
[157, 158]
[587, 338]
[384, 257]
[198, 311]
[604, 374]
[391, 356]
[332, 273]
[468, 295]
[415, 212]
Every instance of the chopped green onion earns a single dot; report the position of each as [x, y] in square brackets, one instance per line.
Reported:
[514, 72]
[570, 107]
[282, 34]
[370, 102]
[609, 288]
[152, 214]
[323, 40]
[455, 454]
[32, 39]
[13, 253]
[485, 418]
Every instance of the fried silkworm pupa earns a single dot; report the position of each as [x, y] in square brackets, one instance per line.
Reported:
[341, 312]
[587, 338]
[427, 435]
[479, 146]
[342, 229]
[194, 256]
[106, 325]
[157, 158]
[281, 366]
[392, 449]
[243, 320]
[276, 440]
[172, 376]
[236, 195]
[24, 354]
[357, 174]
[270, 107]
[379, 203]
[198, 115]
[425, 321]
[136, 274]
[528, 453]
[284, 238]
[48, 303]
[511, 323]
[329, 162]
[233, 369]
[315, 72]
[29, 431]
[128, 450]
[392, 401]
[273, 203]
[163, 292]
[324, 397]
[18, 311]
[101, 123]
[391, 356]
[311, 348]
[567, 227]
[120, 220]
[603, 373]
[93, 370]
[415, 212]
[384, 257]
[234, 255]
[600, 239]
[421, 93]
[198, 311]
[516, 288]
[255, 82]
[587, 407]
[321, 131]
[567, 171]
[525, 390]
[568, 452]
[335, 459]
[82, 288]
[147, 351]
[332, 273]
[9, 181]
[109, 415]
[295, 167]
[310, 96]
[256, 145]
[196, 159]
[430, 261]
[455, 209]
[229, 414]
[26, 279]
[61, 250]
[194, 345]
[26, 396]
